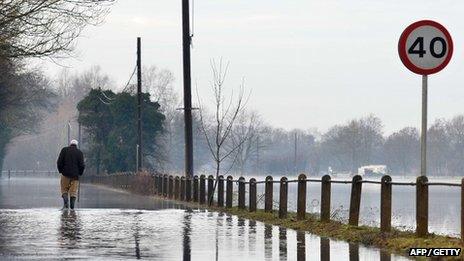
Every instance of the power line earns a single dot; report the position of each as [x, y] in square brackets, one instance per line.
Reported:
[130, 79]
[124, 89]
[108, 98]
[104, 102]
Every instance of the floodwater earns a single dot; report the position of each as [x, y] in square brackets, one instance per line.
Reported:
[112, 225]
[444, 203]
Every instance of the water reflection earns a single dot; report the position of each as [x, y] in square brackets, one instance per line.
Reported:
[354, 251]
[241, 232]
[268, 241]
[325, 249]
[137, 235]
[186, 235]
[164, 235]
[385, 255]
[282, 243]
[252, 235]
[70, 229]
[160, 234]
[300, 246]
[217, 237]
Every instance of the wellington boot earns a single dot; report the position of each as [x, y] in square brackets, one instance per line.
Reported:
[73, 201]
[65, 201]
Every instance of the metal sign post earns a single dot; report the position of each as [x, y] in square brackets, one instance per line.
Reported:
[424, 127]
[425, 47]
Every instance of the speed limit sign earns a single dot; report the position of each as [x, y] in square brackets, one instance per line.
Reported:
[425, 47]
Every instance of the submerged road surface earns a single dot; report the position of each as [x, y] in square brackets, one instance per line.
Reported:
[112, 225]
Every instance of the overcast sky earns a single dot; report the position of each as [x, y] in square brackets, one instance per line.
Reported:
[309, 64]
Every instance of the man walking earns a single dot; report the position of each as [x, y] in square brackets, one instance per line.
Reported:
[70, 164]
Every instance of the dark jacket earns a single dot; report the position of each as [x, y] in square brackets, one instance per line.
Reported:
[70, 163]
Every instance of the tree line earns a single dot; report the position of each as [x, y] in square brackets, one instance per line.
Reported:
[35, 29]
[35, 112]
[255, 148]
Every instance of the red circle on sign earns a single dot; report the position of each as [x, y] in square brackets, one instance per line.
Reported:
[404, 56]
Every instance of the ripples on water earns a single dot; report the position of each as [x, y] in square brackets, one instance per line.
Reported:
[160, 234]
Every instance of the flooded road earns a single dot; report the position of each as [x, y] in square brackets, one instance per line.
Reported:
[110, 225]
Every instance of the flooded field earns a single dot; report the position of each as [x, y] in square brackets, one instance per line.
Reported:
[444, 203]
[110, 225]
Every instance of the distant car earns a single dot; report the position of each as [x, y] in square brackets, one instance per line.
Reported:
[372, 170]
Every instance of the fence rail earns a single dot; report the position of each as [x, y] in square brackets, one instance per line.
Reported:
[194, 189]
[28, 173]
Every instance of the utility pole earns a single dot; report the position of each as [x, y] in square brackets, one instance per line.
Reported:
[139, 106]
[79, 136]
[186, 39]
[69, 133]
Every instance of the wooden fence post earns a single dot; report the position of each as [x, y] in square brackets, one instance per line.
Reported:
[126, 182]
[171, 186]
[155, 179]
[283, 197]
[152, 185]
[195, 188]
[268, 194]
[210, 190]
[158, 185]
[422, 206]
[241, 193]
[462, 210]
[326, 194]
[252, 196]
[220, 197]
[355, 200]
[188, 189]
[165, 185]
[182, 188]
[385, 204]
[229, 188]
[161, 184]
[301, 204]
[177, 187]
[202, 189]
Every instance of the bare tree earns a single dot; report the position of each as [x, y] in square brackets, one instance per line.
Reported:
[402, 150]
[354, 144]
[244, 137]
[42, 28]
[74, 87]
[226, 112]
[24, 100]
[159, 83]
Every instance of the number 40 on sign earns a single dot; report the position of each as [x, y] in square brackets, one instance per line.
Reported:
[425, 47]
